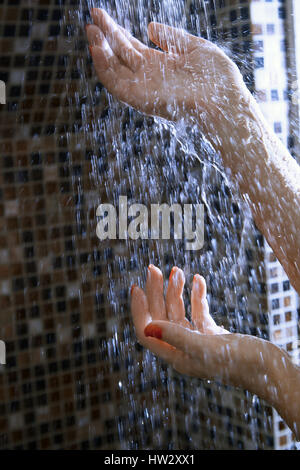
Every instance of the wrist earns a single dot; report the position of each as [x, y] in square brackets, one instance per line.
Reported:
[267, 371]
[287, 386]
[257, 367]
[280, 386]
[246, 144]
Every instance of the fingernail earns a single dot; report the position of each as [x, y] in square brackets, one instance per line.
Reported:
[171, 273]
[154, 331]
[132, 287]
[150, 267]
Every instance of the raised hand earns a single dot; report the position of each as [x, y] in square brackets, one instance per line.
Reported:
[193, 78]
[189, 75]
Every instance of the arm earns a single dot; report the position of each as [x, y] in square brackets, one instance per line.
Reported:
[287, 403]
[192, 78]
[203, 349]
[268, 177]
[241, 361]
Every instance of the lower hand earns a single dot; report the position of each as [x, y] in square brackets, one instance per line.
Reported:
[162, 327]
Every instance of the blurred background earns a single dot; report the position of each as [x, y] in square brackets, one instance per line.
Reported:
[75, 377]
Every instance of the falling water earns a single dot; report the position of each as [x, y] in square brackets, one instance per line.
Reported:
[152, 161]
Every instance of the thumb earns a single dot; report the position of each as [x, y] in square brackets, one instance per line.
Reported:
[184, 339]
[171, 39]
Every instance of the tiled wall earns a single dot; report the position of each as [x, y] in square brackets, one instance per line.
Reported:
[75, 377]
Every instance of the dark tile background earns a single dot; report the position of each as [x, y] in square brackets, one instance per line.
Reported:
[75, 377]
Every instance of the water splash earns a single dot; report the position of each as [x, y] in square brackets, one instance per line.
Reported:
[151, 161]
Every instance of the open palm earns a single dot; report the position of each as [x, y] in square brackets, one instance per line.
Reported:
[151, 306]
[189, 75]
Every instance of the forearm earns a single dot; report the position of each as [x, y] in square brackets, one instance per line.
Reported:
[268, 178]
[267, 371]
[242, 361]
[287, 403]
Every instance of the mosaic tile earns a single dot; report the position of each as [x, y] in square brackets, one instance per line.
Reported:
[68, 382]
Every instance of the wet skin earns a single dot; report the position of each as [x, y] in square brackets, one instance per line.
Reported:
[191, 78]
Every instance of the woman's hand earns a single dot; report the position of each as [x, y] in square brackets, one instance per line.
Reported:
[190, 75]
[202, 349]
[193, 78]
[162, 327]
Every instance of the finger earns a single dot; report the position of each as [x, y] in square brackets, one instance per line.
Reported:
[179, 360]
[155, 293]
[206, 356]
[118, 42]
[200, 309]
[165, 351]
[113, 75]
[153, 56]
[138, 45]
[94, 35]
[183, 339]
[189, 341]
[172, 39]
[139, 310]
[141, 317]
[174, 300]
